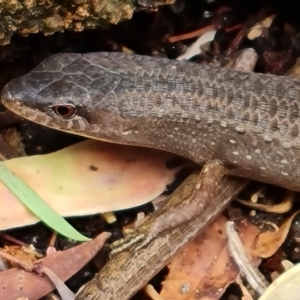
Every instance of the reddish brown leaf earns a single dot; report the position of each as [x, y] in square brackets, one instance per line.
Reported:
[203, 268]
[15, 282]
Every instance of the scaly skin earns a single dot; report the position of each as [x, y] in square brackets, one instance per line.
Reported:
[249, 121]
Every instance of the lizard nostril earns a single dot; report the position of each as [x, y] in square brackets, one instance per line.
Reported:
[5, 94]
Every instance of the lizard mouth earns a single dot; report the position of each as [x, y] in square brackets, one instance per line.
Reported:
[20, 108]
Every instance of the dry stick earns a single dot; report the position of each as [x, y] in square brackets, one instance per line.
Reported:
[189, 35]
[244, 261]
[205, 196]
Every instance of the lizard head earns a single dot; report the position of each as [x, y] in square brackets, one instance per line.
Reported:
[71, 92]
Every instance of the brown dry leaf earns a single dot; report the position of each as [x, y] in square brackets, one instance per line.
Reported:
[203, 268]
[21, 253]
[16, 283]
[280, 208]
[269, 242]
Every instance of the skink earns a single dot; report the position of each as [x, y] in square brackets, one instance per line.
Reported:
[248, 121]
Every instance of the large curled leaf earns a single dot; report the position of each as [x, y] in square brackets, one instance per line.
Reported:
[87, 178]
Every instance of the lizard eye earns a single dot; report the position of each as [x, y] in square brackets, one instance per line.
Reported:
[65, 111]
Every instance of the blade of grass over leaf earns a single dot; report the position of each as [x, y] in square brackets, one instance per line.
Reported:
[37, 205]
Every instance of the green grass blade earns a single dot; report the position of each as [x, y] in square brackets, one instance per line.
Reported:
[37, 205]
